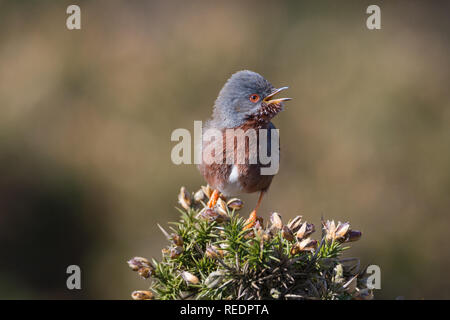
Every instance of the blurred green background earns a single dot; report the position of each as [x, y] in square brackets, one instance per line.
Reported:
[86, 118]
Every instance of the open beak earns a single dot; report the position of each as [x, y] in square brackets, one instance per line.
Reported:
[269, 99]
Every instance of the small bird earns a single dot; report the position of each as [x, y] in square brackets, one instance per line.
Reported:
[245, 102]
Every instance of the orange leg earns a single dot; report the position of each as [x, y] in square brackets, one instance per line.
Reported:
[251, 221]
[213, 199]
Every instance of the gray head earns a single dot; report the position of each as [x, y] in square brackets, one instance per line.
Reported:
[245, 95]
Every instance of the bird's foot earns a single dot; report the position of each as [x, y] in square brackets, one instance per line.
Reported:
[213, 199]
[253, 220]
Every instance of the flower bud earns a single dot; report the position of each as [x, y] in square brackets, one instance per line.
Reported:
[199, 196]
[212, 215]
[138, 262]
[338, 271]
[222, 207]
[213, 252]
[145, 272]
[266, 236]
[176, 252]
[189, 278]
[353, 235]
[177, 239]
[235, 204]
[184, 198]
[142, 295]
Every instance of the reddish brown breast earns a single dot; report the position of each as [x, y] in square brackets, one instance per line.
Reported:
[217, 175]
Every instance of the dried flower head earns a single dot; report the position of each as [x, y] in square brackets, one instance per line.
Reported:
[342, 229]
[189, 278]
[287, 233]
[142, 295]
[276, 222]
[305, 230]
[295, 224]
[334, 232]
[184, 198]
[307, 244]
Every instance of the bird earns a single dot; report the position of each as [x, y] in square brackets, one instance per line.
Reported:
[247, 102]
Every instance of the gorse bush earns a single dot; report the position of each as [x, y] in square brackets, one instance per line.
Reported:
[216, 254]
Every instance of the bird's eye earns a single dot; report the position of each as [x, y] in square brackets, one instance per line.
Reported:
[254, 98]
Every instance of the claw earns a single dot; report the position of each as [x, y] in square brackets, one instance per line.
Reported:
[213, 199]
[251, 221]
